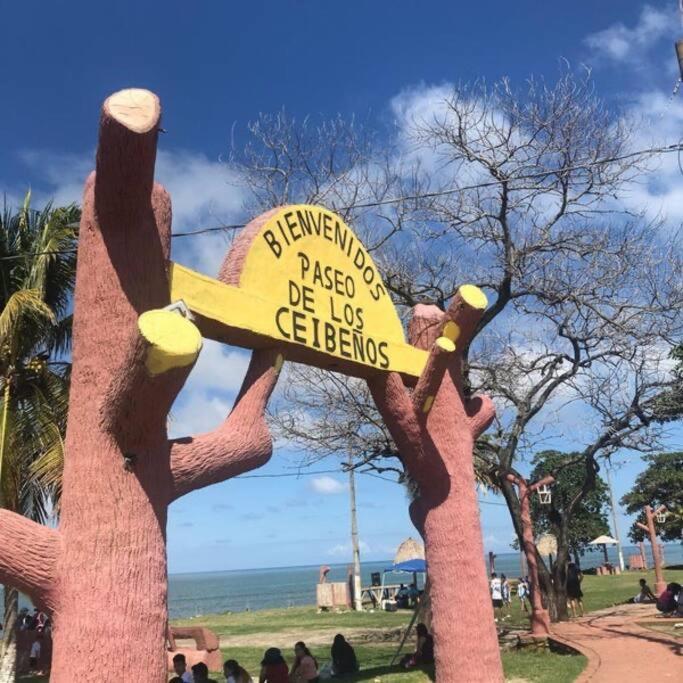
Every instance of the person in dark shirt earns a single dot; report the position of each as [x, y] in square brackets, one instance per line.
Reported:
[200, 673]
[274, 669]
[424, 652]
[343, 657]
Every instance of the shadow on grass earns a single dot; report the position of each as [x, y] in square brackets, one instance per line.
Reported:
[378, 671]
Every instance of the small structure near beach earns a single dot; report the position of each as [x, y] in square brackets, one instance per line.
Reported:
[207, 647]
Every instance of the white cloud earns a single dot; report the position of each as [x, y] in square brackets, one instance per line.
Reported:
[208, 395]
[219, 368]
[204, 193]
[198, 413]
[327, 485]
[619, 43]
[345, 549]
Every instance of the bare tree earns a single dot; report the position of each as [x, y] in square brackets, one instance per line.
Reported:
[521, 193]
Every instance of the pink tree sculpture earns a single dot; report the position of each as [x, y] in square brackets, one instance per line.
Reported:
[540, 619]
[435, 429]
[103, 573]
[651, 531]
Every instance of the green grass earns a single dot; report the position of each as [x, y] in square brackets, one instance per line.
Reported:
[534, 666]
[600, 592]
[292, 618]
[543, 667]
[539, 667]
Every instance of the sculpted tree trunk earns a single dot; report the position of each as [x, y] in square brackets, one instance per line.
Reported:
[103, 574]
[8, 649]
[434, 430]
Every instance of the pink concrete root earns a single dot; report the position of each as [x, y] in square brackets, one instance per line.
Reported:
[103, 574]
[435, 429]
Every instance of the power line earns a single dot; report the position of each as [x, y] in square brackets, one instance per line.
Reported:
[286, 474]
[310, 473]
[678, 147]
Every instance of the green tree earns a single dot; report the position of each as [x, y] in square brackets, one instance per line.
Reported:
[661, 483]
[588, 518]
[669, 404]
[37, 273]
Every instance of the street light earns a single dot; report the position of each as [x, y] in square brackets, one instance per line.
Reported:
[544, 494]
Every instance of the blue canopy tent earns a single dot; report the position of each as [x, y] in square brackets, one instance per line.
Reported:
[413, 566]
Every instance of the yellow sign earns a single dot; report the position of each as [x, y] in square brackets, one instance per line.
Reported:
[302, 277]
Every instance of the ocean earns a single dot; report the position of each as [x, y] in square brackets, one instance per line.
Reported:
[253, 589]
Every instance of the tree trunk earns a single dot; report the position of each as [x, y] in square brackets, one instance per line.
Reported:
[434, 430]
[554, 598]
[8, 653]
[102, 576]
[457, 573]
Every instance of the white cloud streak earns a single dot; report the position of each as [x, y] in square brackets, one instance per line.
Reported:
[327, 486]
[619, 43]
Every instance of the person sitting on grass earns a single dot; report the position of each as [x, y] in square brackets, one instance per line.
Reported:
[200, 673]
[667, 602]
[180, 668]
[273, 667]
[234, 673]
[305, 667]
[424, 651]
[402, 597]
[343, 657]
[645, 594]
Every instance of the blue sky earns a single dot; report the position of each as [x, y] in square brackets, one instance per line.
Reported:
[215, 65]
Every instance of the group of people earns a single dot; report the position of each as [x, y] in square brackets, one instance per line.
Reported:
[407, 596]
[501, 592]
[274, 668]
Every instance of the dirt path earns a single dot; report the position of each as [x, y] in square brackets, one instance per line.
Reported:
[324, 636]
[620, 650]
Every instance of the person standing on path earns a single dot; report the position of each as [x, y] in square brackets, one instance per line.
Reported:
[574, 592]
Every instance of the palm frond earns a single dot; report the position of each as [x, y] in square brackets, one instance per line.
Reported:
[24, 308]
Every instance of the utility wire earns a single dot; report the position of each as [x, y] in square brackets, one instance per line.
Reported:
[310, 473]
[678, 148]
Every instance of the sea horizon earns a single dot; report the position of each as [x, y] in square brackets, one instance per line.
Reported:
[199, 593]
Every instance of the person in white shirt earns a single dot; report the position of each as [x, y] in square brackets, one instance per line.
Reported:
[180, 668]
[497, 595]
[34, 655]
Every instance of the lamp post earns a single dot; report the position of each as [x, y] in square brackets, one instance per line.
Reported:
[650, 514]
[357, 587]
[617, 535]
[540, 620]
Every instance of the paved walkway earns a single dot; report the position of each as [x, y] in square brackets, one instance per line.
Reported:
[619, 650]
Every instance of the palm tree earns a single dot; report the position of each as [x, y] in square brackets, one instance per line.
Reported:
[37, 273]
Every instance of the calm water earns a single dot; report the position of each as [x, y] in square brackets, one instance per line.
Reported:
[193, 594]
[203, 593]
